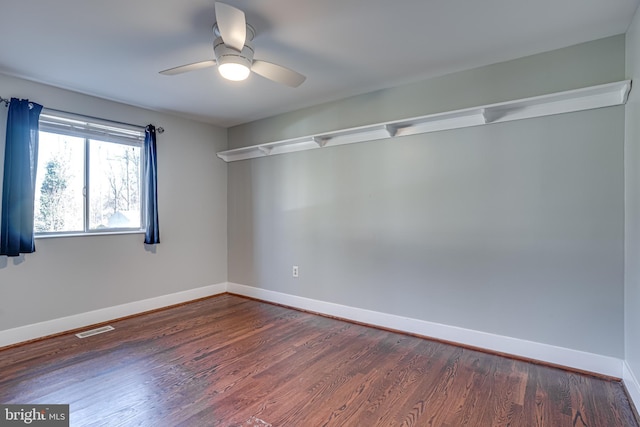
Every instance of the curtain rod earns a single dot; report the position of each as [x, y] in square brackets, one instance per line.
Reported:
[158, 129]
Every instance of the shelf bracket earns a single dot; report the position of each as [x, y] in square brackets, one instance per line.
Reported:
[265, 150]
[321, 141]
[391, 130]
[490, 115]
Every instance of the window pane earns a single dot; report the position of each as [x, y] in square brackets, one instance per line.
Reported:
[114, 190]
[59, 183]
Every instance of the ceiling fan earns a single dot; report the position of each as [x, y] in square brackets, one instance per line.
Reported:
[233, 52]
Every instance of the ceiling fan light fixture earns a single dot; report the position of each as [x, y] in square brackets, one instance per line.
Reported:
[233, 65]
[234, 71]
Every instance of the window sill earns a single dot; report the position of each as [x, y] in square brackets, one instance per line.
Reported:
[97, 233]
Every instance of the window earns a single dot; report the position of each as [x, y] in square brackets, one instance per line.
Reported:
[89, 177]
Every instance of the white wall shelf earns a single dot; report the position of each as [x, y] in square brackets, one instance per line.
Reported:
[587, 98]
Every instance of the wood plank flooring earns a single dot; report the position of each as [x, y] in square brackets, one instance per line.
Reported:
[231, 361]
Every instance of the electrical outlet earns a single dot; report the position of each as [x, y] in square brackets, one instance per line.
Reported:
[295, 271]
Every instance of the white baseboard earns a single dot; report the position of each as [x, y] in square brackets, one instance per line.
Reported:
[42, 329]
[576, 359]
[631, 384]
[604, 365]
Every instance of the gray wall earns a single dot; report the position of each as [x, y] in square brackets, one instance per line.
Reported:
[514, 229]
[73, 275]
[632, 202]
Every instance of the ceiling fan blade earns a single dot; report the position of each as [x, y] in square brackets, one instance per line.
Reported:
[232, 25]
[277, 73]
[189, 67]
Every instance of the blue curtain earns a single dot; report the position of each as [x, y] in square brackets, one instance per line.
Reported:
[18, 185]
[152, 234]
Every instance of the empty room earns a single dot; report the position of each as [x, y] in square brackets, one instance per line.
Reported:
[320, 213]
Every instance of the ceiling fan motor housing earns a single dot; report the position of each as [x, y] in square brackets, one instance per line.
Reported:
[225, 54]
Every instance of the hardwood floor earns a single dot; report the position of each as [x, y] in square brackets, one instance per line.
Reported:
[231, 361]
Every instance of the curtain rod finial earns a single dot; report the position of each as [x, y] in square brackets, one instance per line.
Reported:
[160, 130]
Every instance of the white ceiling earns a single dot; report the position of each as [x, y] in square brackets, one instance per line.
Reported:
[115, 49]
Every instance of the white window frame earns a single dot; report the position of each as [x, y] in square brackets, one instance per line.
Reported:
[89, 128]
